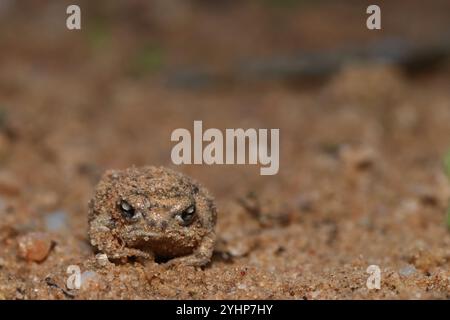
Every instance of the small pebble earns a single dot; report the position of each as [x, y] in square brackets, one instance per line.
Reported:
[242, 286]
[88, 277]
[239, 249]
[56, 221]
[102, 259]
[359, 158]
[34, 246]
[407, 271]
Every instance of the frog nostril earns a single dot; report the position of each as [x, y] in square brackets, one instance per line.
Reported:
[164, 225]
[151, 223]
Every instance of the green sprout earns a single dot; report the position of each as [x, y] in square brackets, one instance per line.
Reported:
[148, 59]
[447, 172]
[3, 119]
[99, 34]
[287, 4]
[447, 164]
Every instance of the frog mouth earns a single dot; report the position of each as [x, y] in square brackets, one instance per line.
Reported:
[152, 235]
[144, 236]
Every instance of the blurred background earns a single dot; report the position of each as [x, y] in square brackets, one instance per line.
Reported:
[139, 69]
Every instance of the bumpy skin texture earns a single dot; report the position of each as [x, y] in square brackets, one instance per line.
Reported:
[152, 213]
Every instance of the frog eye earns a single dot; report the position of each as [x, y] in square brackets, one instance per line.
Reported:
[127, 209]
[186, 217]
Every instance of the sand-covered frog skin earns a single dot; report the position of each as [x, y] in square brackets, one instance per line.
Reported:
[153, 213]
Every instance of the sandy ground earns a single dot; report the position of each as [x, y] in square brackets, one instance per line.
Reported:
[361, 180]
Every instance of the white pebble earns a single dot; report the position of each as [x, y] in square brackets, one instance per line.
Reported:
[88, 277]
[56, 221]
[407, 271]
[102, 259]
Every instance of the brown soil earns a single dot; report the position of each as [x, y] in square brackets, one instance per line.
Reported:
[360, 181]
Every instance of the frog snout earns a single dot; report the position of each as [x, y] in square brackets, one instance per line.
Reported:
[158, 221]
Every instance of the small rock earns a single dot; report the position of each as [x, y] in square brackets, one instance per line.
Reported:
[34, 246]
[88, 278]
[56, 221]
[268, 211]
[239, 248]
[359, 158]
[407, 271]
[242, 286]
[102, 259]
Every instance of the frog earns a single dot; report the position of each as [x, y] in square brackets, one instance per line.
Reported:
[152, 213]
